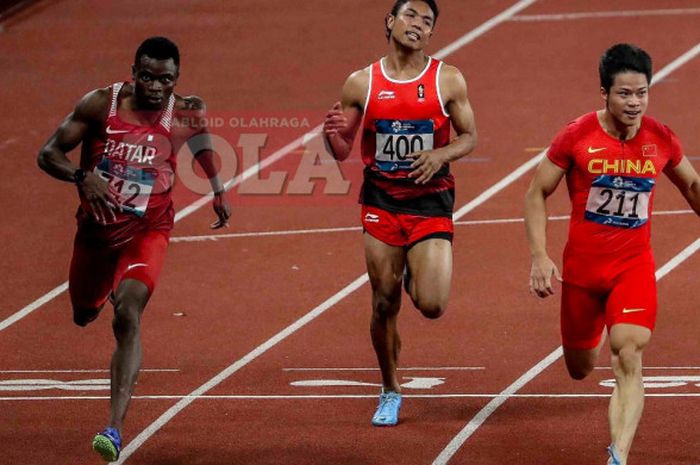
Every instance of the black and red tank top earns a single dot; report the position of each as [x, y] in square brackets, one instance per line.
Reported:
[400, 118]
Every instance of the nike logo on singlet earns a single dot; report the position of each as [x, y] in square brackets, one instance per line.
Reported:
[135, 265]
[109, 130]
[592, 150]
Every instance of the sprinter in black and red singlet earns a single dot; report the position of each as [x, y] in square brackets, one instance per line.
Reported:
[130, 134]
[405, 104]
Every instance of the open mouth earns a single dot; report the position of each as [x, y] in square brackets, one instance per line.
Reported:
[413, 35]
[633, 114]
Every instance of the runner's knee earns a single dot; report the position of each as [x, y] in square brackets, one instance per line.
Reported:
[127, 317]
[579, 364]
[579, 371]
[431, 309]
[627, 360]
[386, 304]
[82, 316]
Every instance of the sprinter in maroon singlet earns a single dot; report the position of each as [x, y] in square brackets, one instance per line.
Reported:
[405, 104]
[129, 140]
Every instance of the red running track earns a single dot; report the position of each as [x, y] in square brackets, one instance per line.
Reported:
[526, 78]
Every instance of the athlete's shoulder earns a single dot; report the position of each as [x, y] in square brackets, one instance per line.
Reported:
[95, 104]
[581, 125]
[657, 128]
[359, 77]
[190, 103]
[451, 76]
[356, 88]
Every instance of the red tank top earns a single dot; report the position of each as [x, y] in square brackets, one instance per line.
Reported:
[402, 117]
[139, 162]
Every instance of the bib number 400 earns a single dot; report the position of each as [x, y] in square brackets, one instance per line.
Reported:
[398, 147]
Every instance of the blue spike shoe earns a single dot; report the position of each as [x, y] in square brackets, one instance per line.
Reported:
[387, 413]
[108, 444]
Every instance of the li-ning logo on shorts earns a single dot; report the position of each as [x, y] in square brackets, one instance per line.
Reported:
[371, 218]
[386, 95]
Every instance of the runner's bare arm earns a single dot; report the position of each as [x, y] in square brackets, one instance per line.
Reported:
[202, 149]
[546, 180]
[687, 181]
[77, 126]
[453, 88]
[344, 119]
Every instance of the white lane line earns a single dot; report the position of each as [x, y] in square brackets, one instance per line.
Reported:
[352, 287]
[143, 370]
[9, 321]
[678, 259]
[492, 191]
[185, 212]
[377, 369]
[655, 368]
[607, 14]
[293, 232]
[491, 407]
[356, 284]
[343, 396]
[483, 29]
[456, 443]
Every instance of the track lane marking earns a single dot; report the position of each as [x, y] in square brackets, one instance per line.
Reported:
[606, 14]
[196, 205]
[465, 433]
[142, 437]
[456, 443]
[292, 232]
[343, 396]
[185, 212]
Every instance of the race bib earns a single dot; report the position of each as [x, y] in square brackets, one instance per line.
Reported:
[134, 185]
[619, 201]
[396, 139]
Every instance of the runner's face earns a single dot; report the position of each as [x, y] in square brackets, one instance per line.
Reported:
[154, 81]
[628, 97]
[413, 25]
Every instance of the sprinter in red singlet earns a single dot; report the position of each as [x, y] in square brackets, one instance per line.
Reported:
[612, 160]
[405, 104]
[130, 136]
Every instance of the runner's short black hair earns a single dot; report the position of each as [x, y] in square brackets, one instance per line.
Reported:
[399, 3]
[159, 48]
[621, 58]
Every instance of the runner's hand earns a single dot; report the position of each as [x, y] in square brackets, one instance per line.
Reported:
[543, 268]
[222, 210]
[102, 197]
[425, 166]
[335, 120]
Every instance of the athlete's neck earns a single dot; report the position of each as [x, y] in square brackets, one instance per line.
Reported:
[615, 127]
[132, 112]
[403, 64]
